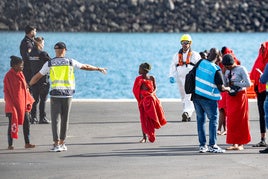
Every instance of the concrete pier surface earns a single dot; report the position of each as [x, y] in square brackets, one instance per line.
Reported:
[103, 143]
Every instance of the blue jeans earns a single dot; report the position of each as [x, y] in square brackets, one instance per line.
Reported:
[209, 108]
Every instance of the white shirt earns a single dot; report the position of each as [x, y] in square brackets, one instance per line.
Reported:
[45, 69]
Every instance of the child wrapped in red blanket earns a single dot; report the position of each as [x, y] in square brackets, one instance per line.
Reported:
[151, 112]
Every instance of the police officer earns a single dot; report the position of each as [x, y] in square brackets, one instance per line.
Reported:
[26, 47]
[40, 90]
[62, 79]
[181, 64]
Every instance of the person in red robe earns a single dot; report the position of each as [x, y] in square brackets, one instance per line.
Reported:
[18, 102]
[222, 103]
[238, 129]
[151, 112]
[260, 89]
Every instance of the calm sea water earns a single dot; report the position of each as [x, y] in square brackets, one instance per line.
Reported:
[122, 53]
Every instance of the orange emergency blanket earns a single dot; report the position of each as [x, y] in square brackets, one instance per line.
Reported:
[151, 112]
[18, 99]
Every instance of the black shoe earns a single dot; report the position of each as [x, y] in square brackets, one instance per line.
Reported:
[260, 144]
[44, 121]
[185, 117]
[34, 120]
[265, 151]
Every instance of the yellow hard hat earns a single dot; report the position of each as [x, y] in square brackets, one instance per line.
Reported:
[186, 37]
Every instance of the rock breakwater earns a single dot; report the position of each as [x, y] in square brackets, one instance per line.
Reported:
[135, 15]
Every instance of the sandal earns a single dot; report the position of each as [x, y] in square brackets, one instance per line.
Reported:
[224, 133]
[240, 147]
[143, 140]
[10, 147]
[233, 147]
[219, 132]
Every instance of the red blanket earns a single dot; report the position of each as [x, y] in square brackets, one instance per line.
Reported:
[18, 100]
[237, 119]
[260, 63]
[151, 112]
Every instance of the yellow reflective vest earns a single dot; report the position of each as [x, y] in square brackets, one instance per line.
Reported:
[62, 77]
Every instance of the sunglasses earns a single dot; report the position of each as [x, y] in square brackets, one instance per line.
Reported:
[185, 42]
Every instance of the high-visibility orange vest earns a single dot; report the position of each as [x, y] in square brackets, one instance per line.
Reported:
[180, 58]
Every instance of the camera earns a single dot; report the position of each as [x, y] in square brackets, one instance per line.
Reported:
[234, 90]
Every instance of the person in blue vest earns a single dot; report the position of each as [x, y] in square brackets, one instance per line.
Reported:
[61, 72]
[209, 83]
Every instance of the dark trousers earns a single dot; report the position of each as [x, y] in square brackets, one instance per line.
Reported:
[60, 111]
[260, 101]
[40, 93]
[27, 71]
[26, 129]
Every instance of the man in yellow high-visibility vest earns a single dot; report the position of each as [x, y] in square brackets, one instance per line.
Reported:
[61, 71]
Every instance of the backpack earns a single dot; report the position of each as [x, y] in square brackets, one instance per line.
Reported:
[189, 84]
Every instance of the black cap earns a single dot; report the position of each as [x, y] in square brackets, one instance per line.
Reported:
[60, 45]
[227, 60]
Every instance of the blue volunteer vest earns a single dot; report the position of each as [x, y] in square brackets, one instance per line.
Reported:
[204, 80]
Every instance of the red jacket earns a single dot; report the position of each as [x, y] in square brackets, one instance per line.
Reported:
[17, 97]
[260, 63]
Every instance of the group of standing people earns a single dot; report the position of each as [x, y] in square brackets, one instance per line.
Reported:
[27, 82]
[220, 91]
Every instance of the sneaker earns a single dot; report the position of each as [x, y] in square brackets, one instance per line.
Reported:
[33, 120]
[215, 149]
[56, 148]
[44, 121]
[63, 147]
[185, 117]
[203, 149]
[260, 144]
[265, 151]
